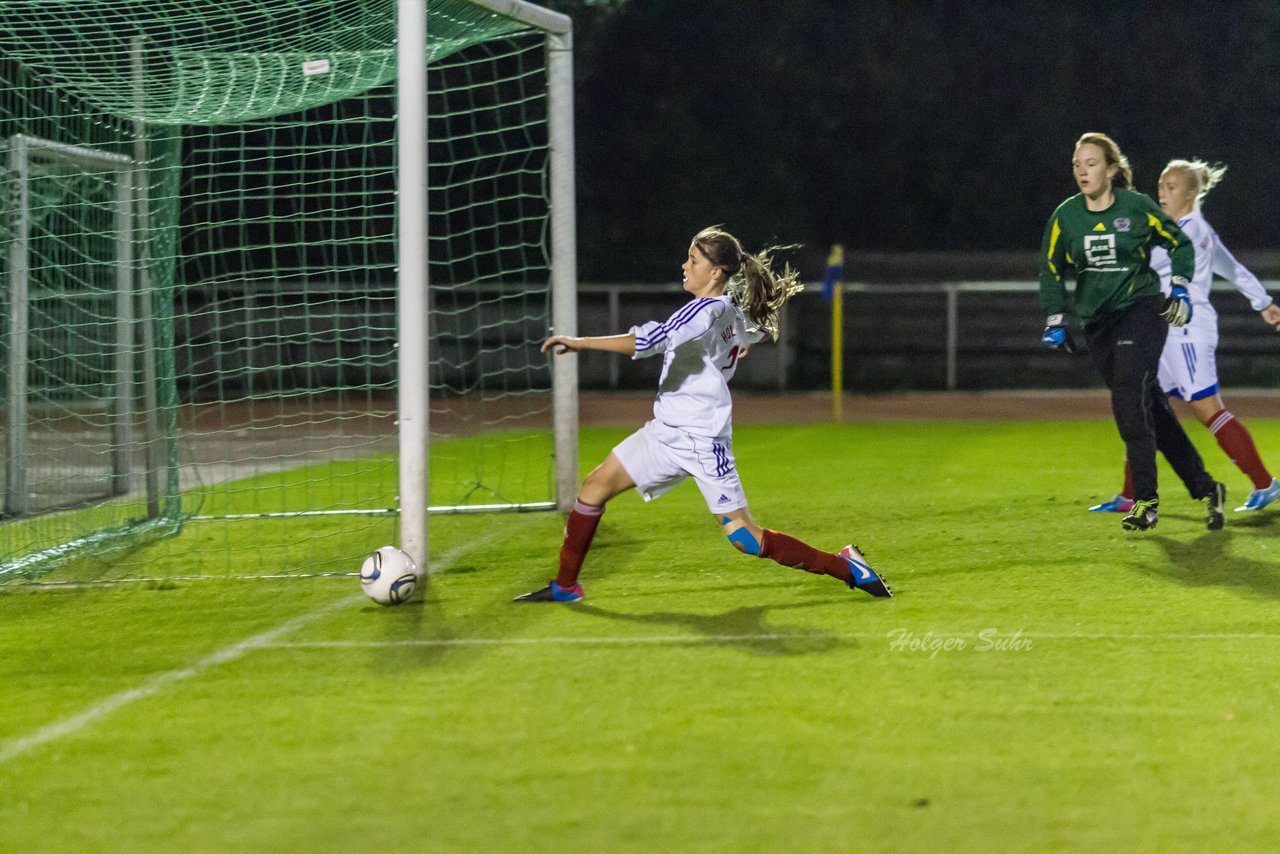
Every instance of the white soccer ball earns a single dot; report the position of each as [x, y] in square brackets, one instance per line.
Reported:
[389, 576]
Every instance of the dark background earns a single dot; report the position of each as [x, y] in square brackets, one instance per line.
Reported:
[903, 126]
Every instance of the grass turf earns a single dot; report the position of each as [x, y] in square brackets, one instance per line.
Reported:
[1042, 680]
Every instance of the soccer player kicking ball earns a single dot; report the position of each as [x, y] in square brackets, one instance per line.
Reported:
[736, 299]
[1188, 368]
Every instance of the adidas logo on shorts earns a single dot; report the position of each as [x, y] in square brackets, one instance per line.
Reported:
[723, 499]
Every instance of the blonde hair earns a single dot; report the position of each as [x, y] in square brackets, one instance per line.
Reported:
[753, 283]
[1200, 175]
[1114, 156]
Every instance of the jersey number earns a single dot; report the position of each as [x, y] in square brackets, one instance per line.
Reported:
[733, 358]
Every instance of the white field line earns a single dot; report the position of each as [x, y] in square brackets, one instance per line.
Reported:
[124, 582]
[620, 640]
[624, 640]
[12, 749]
[1173, 636]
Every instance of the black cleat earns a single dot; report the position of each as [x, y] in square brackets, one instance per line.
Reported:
[1142, 517]
[554, 593]
[1215, 504]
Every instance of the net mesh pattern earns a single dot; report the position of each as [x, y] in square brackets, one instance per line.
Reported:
[199, 246]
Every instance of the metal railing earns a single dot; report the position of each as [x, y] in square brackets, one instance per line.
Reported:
[974, 318]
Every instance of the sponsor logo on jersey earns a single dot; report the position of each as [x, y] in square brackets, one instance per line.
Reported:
[1100, 250]
[1122, 223]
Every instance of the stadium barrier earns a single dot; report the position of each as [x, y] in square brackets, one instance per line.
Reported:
[908, 336]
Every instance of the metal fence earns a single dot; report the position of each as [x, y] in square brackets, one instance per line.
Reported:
[918, 336]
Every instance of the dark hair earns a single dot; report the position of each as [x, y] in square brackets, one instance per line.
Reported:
[752, 281]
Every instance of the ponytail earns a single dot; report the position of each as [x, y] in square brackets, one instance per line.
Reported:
[758, 290]
[762, 292]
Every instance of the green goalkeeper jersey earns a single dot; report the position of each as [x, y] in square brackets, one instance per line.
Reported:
[1110, 251]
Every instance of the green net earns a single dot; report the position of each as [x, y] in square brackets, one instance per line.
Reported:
[199, 247]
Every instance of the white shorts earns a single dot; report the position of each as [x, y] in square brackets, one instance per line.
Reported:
[1188, 367]
[659, 458]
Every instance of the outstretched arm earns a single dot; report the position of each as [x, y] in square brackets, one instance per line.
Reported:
[1226, 265]
[561, 344]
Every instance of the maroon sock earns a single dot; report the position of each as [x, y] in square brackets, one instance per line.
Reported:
[1236, 441]
[1127, 492]
[578, 533]
[789, 551]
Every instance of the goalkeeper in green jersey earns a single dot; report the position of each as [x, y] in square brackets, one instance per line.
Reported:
[1105, 233]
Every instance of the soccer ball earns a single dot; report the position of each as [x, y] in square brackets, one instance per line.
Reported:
[389, 576]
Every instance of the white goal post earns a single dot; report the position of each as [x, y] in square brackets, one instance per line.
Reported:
[412, 282]
[31, 158]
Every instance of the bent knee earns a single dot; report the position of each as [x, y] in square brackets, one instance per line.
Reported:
[741, 536]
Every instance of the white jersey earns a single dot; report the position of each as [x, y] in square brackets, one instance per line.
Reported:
[1211, 257]
[700, 345]
[1188, 364]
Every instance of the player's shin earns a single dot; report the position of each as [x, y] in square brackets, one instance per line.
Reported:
[789, 551]
[1238, 444]
[579, 530]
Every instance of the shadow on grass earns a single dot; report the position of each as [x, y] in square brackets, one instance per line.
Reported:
[744, 628]
[1206, 561]
[1254, 519]
[420, 625]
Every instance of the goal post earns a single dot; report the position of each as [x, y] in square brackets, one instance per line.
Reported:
[563, 228]
[564, 270]
[351, 224]
[72, 357]
[412, 272]
[413, 279]
[30, 159]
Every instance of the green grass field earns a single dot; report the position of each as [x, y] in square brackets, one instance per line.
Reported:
[1042, 680]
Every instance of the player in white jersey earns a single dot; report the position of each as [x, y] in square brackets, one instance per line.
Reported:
[736, 300]
[1188, 369]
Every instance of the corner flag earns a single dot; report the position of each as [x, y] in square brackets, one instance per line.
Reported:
[835, 271]
[833, 290]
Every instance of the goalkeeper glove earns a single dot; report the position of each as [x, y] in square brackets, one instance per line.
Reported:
[1056, 335]
[1177, 308]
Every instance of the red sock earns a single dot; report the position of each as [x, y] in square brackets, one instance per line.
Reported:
[789, 551]
[1127, 492]
[1236, 441]
[578, 533]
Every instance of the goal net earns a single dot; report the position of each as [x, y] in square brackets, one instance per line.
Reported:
[201, 246]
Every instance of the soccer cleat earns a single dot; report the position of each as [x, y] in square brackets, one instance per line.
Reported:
[1119, 504]
[1142, 516]
[1215, 505]
[1260, 498]
[864, 577]
[554, 593]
